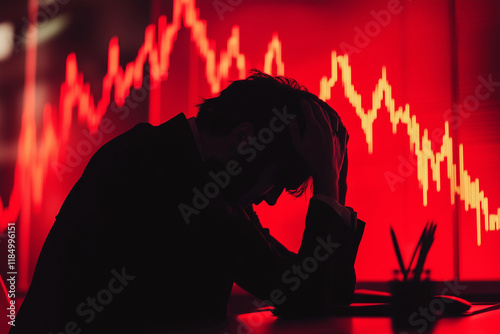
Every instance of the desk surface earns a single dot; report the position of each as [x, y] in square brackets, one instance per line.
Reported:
[264, 322]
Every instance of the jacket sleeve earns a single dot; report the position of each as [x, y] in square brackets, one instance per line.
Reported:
[305, 283]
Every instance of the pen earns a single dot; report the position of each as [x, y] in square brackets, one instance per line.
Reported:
[398, 254]
[417, 247]
[424, 250]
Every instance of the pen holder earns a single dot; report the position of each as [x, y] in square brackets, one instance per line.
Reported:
[408, 299]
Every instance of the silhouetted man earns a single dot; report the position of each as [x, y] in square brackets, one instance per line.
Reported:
[161, 224]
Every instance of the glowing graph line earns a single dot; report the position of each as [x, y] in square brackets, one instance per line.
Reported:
[468, 190]
[34, 157]
[27, 140]
[75, 93]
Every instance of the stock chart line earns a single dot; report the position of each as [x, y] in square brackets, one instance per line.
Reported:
[34, 156]
[468, 189]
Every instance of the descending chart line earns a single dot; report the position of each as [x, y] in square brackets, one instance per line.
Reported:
[36, 152]
[461, 184]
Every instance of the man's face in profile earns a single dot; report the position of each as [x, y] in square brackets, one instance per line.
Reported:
[257, 182]
[265, 188]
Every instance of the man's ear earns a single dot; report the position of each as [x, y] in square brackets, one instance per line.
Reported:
[240, 134]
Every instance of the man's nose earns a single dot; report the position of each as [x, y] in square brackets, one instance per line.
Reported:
[272, 196]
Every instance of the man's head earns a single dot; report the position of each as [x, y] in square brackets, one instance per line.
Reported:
[249, 122]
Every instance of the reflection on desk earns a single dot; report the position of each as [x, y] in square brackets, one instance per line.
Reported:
[264, 322]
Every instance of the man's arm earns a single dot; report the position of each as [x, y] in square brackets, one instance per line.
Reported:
[299, 284]
[323, 270]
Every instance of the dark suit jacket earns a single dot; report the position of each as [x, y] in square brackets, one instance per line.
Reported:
[120, 257]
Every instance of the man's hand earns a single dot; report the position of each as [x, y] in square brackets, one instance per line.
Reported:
[341, 132]
[320, 148]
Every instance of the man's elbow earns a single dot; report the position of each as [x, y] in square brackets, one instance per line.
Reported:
[342, 292]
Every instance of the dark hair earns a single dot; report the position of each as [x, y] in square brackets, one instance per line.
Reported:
[253, 100]
[249, 100]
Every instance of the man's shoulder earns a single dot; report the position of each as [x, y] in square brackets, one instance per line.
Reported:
[144, 135]
[174, 126]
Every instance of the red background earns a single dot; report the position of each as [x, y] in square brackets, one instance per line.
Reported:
[434, 52]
